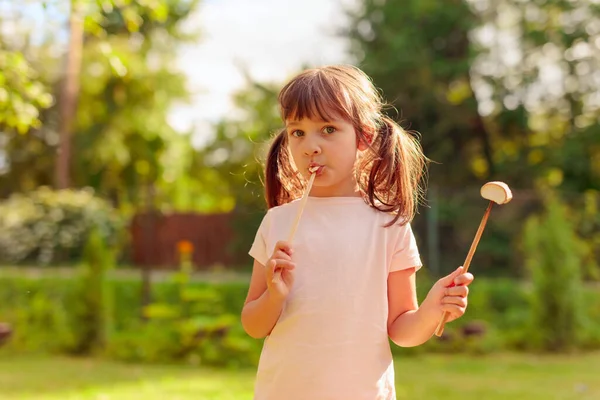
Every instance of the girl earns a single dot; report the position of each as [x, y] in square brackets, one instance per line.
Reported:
[348, 280]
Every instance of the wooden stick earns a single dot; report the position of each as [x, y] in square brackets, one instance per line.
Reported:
[440, 328]
[277, 274]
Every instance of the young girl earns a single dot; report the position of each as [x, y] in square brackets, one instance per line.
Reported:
[348, 279]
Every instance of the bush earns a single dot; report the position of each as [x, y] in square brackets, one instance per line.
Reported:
[46, 226]
[91, 312]
[198, 322]
[37, 310]
[196, 325]
[554, 259]
[194, 322]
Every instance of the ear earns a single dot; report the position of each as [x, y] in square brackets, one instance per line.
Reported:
[362, 145]
[363, 141]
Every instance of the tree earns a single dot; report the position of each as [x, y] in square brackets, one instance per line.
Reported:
[122, 127]
[419, 53]
[230, 167]
[554, 261]
[122, 144]
[68, 99]
[26, 93]
[475, 79]
[536, 81]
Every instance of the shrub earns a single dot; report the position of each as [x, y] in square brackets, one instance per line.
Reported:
[36, 310]
[91, 311]
[46, 226]
[198, 322]
[194, 325]
[553, 255]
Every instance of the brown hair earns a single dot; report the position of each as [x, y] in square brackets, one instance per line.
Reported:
[389, 173]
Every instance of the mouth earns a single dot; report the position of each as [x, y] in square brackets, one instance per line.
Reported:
[315, 169]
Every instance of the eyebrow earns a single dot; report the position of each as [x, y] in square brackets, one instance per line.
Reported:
[293, 123]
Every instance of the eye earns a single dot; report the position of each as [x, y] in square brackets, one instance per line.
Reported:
[329, 130]
[297, 133]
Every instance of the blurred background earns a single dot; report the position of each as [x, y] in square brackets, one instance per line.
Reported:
[132, 135]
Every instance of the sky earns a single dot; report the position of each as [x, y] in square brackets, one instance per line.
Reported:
[272, 39]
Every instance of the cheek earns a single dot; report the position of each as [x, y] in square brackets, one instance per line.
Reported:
[345, 159]
[294, 155]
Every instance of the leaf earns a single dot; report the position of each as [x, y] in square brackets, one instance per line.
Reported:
[161, 311]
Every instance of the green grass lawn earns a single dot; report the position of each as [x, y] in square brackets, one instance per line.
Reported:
[507, 376]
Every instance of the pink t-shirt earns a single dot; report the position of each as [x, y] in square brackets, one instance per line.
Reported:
[331, 340]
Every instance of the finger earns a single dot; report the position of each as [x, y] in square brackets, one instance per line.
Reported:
[454, 309]
[448, 280]
[283, 264]
[285, 247]
[281, 255]
[270, 268]
[287, 275]
[452, 300]
[461, 291]
[464, 279]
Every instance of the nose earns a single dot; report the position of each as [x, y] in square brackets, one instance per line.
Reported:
[311, 146]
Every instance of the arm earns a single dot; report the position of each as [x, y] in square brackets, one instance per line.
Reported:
[266, 298]
[261, 309]
[410, 325]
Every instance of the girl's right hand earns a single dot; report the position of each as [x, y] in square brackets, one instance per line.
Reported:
[281, 261]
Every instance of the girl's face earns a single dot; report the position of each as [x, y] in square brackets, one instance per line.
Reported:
[330, 145]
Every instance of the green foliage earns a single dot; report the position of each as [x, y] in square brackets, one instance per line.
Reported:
[420, 54]
[231, 165]
[198, 323]
[22, 94]
[124, 145]
[477, 103]
[589, 229]
[35, 308]
[194, 326]
[128, 147]
[92, 314]
[46, 226]
[554, 260]
[234, 158]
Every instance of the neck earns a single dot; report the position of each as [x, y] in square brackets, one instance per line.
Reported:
[346, 190]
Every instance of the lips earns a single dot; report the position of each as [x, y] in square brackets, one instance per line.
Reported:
[315, 168]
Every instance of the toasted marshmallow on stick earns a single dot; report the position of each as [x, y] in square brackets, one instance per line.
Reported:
[312, 170]
[495, 192]
[498, 192]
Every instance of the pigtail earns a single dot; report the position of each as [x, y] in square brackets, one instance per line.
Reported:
[281, 182]
[389, 173]
[273, 187]
[393, 172]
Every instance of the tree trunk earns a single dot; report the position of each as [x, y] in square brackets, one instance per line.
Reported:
[68, 98]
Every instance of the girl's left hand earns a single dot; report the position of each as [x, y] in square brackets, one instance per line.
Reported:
[450, 294]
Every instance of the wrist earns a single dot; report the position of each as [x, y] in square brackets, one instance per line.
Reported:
[274, 299]
[431, 310]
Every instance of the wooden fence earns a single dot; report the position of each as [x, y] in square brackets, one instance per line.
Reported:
[155, 239]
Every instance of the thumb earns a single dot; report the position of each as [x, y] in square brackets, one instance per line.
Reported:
[272, 265]
[449, 279]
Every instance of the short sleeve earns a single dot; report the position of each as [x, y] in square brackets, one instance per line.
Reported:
[259, 251]
[405, 252]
